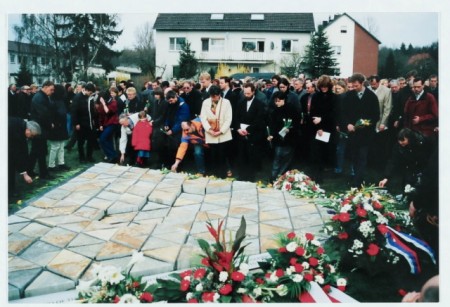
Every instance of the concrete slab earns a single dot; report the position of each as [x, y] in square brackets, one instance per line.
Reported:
[48, 282]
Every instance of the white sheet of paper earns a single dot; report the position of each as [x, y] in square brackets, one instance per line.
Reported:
[324, 138]
[283, 132]
[244, 126]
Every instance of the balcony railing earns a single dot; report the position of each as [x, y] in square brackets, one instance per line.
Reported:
[235, 56]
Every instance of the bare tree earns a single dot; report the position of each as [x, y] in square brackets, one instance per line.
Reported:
[371, 26]
[145, 48]
[292, 64]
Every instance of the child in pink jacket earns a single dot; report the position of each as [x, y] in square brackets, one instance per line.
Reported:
[141, 139]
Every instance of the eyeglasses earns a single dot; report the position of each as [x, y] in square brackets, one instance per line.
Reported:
[186, 130]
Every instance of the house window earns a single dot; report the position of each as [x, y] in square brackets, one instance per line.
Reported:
[205, 44]
[12, 58]
[337, 50]
[43, 61]
[255, 69]
[343, 29]
[216, 16]
[34, 60]
[253, 44]
[289, 45]
[22, 59]
[177, 43]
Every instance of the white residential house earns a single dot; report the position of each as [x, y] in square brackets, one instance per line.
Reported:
[355, 48]
[257, 41]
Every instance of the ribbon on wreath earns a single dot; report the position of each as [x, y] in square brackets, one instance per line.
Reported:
[317, 295]
[394, 241]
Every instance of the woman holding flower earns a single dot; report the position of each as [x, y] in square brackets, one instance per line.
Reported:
[283, 127]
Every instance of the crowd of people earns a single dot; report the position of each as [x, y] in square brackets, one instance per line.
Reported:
[232, 124]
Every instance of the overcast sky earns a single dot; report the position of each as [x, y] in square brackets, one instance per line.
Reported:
[418, 29]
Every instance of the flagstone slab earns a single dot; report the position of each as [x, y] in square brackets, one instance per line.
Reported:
[90, 213]
[131, 175]
[270, 205]
[248, 196]
[188, 199]
[88, 175]
[48, 282]
[152, 176]
[109, 195]
[13, 293]
[167, 254]
[253, 247]
[249, 212]
[243, 185]
[171, 181]
[99, 203]
[285, 223]
[179, 176]
[153, 206]
[165, 197]
[155, 243]
[149, 266]
[185, 213]
[118, 263]
[76, 227]
[57, 194]
[149, 222]
[58, 211]
[133, 236]
[82, 198]
[119, 218]
[142, 188]
[35, 230]
[177, 236]
[113, 250]
[264, 194]
[188, 256]
[274, 215]
[195, 186]
[122, 207]
[211, 207]
[120, 185]
[137, 170]
[145, 215]
[104, 224]
[307, 221]
[133, 199]
[169, 226]
[29, 212]
[16, 227]
[59, 236]
[89, 251]
[20, 264]
[45, 202]
[40, 253]
[270, 230]
[303, 209]
[18, 242]
[14, 219]
[69, 264]
[218, 186]
[64, 219]
[21, 279]
[218, 198]
[267, 242]
[83, 239]
[103, 234]
[203, 216]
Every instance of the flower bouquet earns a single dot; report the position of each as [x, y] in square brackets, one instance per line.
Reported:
[223, 276]
[298, 184]
[112, 285]
[368, 232]
[362, 123]
[298, 262]
[287, 123]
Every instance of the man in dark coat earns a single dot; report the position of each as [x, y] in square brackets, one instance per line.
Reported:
[18, 133]
[361, 112]
[40, 113]
[83, 119]
[24, 102]
[193, 98]
[251, 131]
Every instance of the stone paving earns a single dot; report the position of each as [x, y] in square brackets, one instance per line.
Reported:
[108, 211]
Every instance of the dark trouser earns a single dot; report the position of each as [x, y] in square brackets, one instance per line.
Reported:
[220, 158]
[319, 156]
[282, 159]
[249, 159]
[359, 161]
[169, 149]
[85, 135]
[107, 142]
[38, 153]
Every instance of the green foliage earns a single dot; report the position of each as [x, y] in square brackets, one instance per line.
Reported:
[188, 64]
[319, 58]
[24, 76]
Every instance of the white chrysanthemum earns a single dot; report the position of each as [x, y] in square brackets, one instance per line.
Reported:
[210, 276]
[359, 252]
[241, 290]
[365, 228]
[332, 269]
[341, 282]
[257, 291]
[273, 277]
[357, 244]
[244, 268]
[110, 274]
[305, 265]
[289, 271]
[319, 279]
[345, 208]
[199, 287]
[297, 277]
[223, 276]
[368, 207]
[291, 247]
[315, 242]
[282, 290]
[216, 297]
[129, 299]
[84, 287]
[189, 295]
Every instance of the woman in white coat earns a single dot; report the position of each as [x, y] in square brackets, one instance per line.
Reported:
[216, 115]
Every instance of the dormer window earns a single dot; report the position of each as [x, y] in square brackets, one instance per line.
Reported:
[257, 17]
[343, 29]
[216, 16]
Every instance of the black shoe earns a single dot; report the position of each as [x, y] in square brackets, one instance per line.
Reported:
[63, 167]
[47, 177]
[52, 169]
[112, 160]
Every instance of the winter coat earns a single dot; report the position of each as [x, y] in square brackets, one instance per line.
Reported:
[141, 136]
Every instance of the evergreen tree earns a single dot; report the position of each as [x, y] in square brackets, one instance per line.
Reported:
[403, 48]
[390, 66]
[24, 77]
[319, 58]
[188, 64]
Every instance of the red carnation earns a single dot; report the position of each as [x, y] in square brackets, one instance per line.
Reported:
[373, 249]
[259, 281]
[342, 288]
[200, 273]
[361, 212]
[116, 299]
[344, 217]
[293, 261]
[291, 235]
[279, 273]
[300, 251]
[247, 299]
[205, 261]
[298, 268]
[335, 217]
[184, 285]
[146, 297]
[208, 297]
[326, 288]
[291, 179]
[226, 289]
[343, 235]
[237, 276]
[376, 205]
[135, 284]
[309, 277]
[320, 250]
[382, 229]
[193, 301]
[345, 202]
[185, 274]
[313, 261]
[282, 250]
[314, 188]
[309, 236]
[402, 292]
